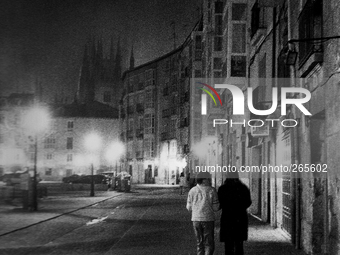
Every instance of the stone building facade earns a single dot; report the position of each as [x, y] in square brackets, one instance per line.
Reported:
[276, 44]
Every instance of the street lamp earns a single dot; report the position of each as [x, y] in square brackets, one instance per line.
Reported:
[36, 121]
[92, 144]
[114, 152]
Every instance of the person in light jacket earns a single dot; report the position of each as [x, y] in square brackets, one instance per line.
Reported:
[203, 202]
[234, 198]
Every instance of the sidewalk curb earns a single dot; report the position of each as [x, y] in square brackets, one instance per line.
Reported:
[59, 215]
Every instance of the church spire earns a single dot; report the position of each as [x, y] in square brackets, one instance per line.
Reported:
[118, 62]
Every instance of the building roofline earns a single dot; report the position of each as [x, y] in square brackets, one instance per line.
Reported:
[178, 49]
[153, 61]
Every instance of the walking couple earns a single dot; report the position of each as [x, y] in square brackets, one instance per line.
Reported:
[233, 198]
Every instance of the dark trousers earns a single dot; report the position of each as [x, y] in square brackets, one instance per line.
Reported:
[233, 247]
[204, 231]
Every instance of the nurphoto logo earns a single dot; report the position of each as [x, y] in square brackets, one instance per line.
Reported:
[238, 104]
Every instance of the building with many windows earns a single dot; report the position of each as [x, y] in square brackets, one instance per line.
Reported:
[16, 145]
[274, 44]
[62, 150]
[157, 111]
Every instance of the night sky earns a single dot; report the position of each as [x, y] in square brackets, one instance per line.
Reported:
[42, 41]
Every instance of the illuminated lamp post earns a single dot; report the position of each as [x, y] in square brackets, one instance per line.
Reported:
[114, 152]
[92, 144]
[36, 121]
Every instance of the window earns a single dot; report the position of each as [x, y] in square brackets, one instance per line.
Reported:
[69, 143]
[239, 38]
[218, 43]
[238, 66]
[48, 171]
[149, 146]
[218, 74]
[217, 63]
[198, 55]
[257, 18]
[69, 157]
[198, 42]
[218, 7]
[239, 11]
[149, 101]
[49, 143]
[156, 171]
[218, 25]
[149, 123]
[310, 26]
[107, 97]
[131, 124]
[49, 156]
[70, 125]
[198, 73]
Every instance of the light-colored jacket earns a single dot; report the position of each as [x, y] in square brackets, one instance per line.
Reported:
[182, 181]
[203, 202]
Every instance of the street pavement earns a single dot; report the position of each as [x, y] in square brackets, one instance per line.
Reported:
[148, 220]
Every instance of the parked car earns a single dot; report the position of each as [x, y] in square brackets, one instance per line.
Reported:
[98, 179]
[71, 178]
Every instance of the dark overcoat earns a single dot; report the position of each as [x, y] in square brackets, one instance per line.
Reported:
[234, 198]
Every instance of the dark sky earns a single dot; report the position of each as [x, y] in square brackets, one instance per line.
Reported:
[42, 41]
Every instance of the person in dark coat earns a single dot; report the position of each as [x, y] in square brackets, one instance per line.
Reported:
[234, 197]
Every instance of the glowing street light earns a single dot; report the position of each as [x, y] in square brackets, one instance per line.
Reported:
[114, 152]
[36, 121]
[92, 143]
